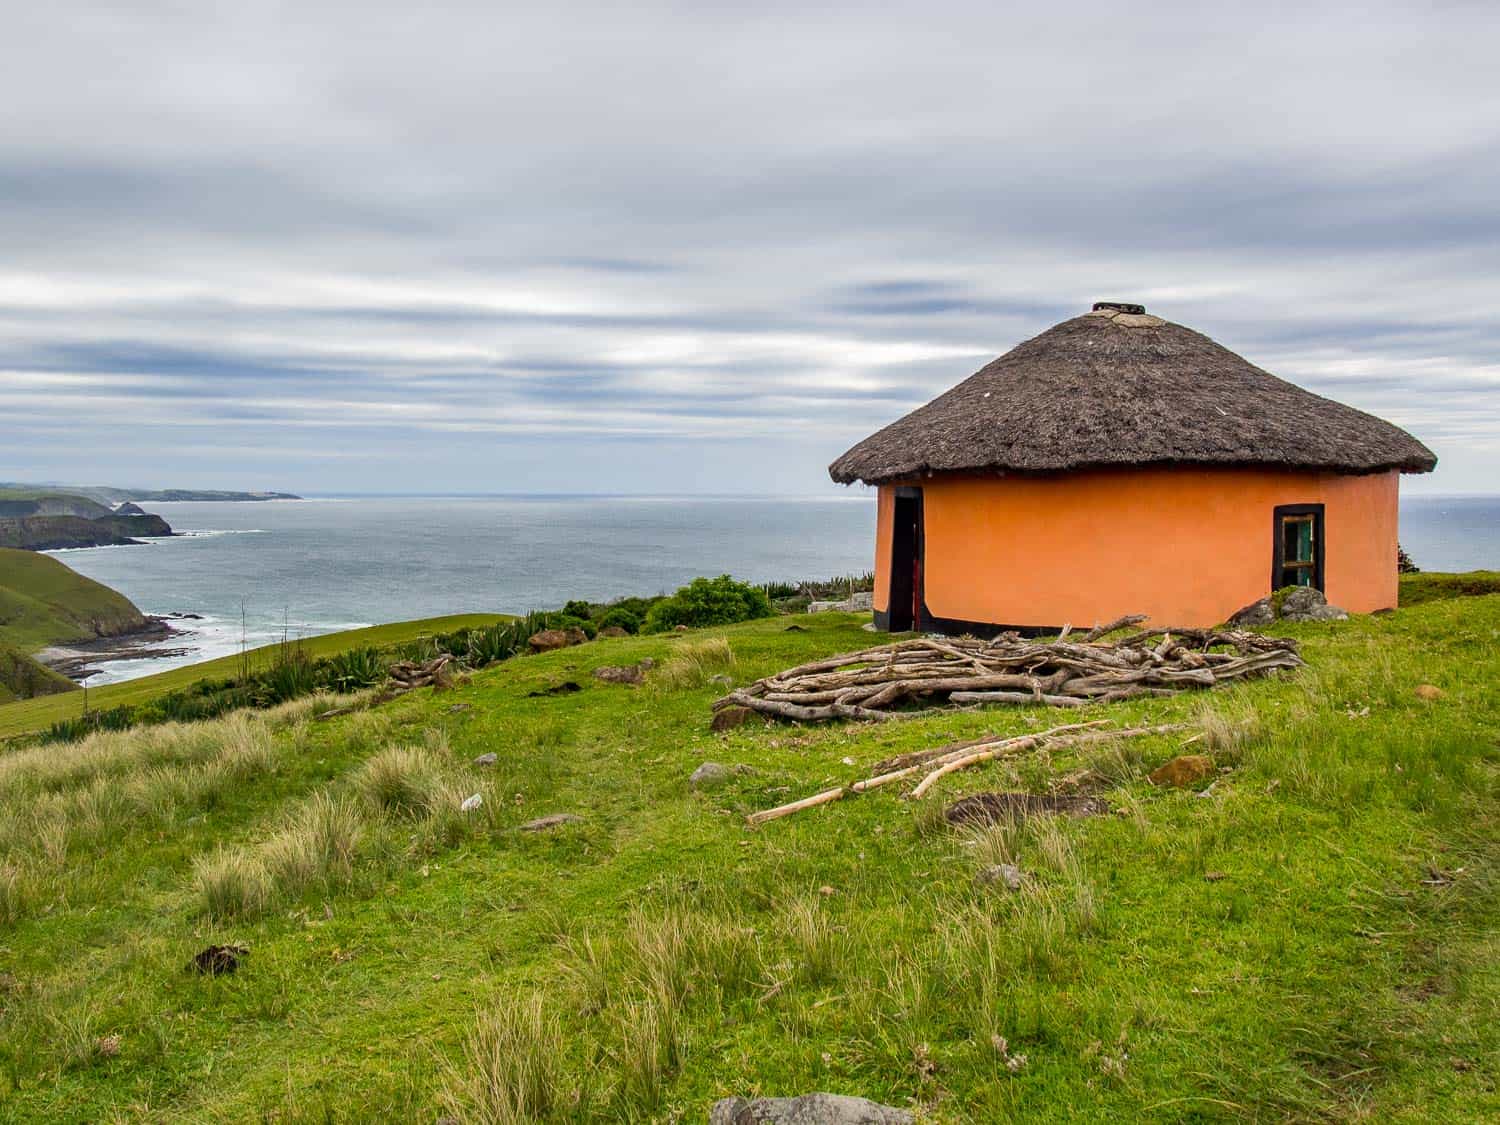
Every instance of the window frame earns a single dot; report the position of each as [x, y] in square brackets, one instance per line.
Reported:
[1278, 542]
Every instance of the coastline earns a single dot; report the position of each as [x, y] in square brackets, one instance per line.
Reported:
[80, 660]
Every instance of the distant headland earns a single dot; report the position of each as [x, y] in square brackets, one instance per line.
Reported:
[60, 517]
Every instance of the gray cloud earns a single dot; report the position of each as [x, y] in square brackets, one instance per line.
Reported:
[705, 247]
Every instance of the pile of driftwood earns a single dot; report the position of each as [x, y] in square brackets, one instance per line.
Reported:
[409, 674]
[932, 672]
[934, 765]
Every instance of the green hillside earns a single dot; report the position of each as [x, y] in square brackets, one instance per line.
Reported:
[43, 602]
[32, 715]
[1314, 936]
[18, 502]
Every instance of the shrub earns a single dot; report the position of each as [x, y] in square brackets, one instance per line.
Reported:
[580, 609]
[709, 601]
[622, 619]
[567, 621]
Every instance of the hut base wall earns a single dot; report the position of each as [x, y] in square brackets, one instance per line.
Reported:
[1186, 546]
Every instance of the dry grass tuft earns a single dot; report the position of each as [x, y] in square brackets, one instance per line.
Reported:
[231, 884]
[695, 663]
[512, 1071]
[317, 848]
[399, 781]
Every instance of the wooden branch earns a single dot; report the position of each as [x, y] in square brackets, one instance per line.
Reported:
[780, 811]
[1114, 626]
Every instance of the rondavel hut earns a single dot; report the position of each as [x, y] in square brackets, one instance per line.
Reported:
[1119, 463]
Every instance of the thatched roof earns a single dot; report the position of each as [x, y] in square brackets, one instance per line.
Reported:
[1119, 387]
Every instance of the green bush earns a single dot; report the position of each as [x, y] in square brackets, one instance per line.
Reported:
[709, 601]
[621, 618]
[580, 609]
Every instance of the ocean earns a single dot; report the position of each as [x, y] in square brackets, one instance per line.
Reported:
[306, 567]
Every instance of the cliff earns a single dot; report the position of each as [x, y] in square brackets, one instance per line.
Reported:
[52, 533]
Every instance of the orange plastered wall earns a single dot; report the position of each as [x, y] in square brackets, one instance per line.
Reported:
[885, 508]
[1187, 546]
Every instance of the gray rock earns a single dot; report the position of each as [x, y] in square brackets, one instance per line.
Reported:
[721, 678]
[1007, 873]
[486, 759]
[1321, 613]
[1301, 600]
[1256, 613]
[809, 1109]
[1308, 604]
[710, 775]
[553, 820]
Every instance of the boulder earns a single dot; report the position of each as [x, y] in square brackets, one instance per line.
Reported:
[613, 631]
[1183, 770]
[620, 674]
[549, 639]
[730, 717]
[1256, 613]
[710, 775]
[552, 820]
[809, 1109]
[1307, 603]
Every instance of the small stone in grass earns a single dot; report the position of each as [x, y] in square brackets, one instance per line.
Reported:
[710, 775]
[487, 759]
[808, 1109]
[1429, 692]
[826, 891]
[1214, 876]
[1007, 873]
[108, 1046]
[552, 820]
[471, 803]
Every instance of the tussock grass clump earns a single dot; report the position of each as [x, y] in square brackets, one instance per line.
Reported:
[695, 663]
[317, 848]
[399, 781]
[512, 1071]
[231, 884]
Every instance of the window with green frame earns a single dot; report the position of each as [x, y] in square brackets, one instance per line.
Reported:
[1298, 549]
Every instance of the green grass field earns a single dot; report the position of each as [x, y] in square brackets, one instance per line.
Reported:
[1313, 938]
[31, 715]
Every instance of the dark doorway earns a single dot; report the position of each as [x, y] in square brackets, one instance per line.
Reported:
[1297, 549]
[906, 561]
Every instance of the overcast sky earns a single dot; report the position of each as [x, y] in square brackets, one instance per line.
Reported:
[666, 248]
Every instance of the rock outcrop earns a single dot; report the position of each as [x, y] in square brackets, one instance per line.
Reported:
[53, 533]
[1304, 603]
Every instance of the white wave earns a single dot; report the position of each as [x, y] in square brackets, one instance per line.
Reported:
[214, 532]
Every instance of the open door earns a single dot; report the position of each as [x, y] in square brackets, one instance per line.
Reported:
[906, 561]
